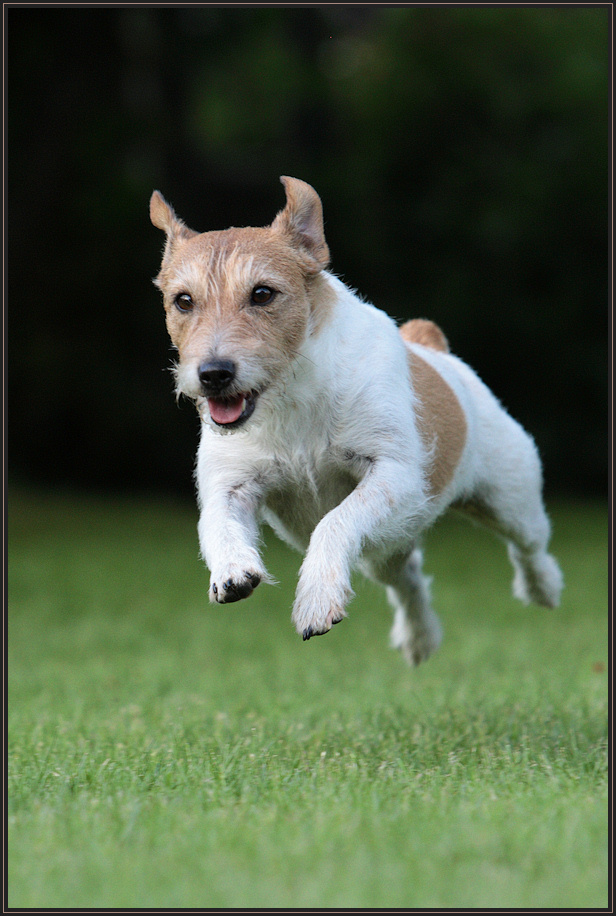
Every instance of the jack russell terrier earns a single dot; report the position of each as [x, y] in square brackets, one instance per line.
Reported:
[345, 433]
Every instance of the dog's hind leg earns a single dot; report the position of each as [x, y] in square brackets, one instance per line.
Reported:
[537, 576]
[521, 520]
[416, 630]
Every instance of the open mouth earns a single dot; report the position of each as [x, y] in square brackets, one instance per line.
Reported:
[232, 412]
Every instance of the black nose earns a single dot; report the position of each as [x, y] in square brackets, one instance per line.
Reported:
[216, 374]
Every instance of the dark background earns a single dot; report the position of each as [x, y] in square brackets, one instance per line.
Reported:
[463, 162]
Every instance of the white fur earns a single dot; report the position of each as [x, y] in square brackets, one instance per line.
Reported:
[332, 458]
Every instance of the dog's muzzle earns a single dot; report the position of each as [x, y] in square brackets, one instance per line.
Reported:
[228, 407]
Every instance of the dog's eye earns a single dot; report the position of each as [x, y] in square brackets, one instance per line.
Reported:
[261, 295]
[183, 302]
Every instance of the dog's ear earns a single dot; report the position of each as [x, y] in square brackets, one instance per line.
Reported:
[163, 217]
[302, 220]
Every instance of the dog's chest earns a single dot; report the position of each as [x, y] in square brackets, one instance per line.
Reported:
[304, 493]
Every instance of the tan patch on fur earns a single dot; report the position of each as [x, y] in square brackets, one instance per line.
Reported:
[323, 300]
[426, 333]
[441, 421]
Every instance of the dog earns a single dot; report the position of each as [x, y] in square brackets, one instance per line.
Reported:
[348, 435]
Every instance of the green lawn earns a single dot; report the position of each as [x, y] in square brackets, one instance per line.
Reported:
[167, 753]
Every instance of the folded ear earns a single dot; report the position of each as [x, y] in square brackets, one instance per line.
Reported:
[302, 220]
[163, 217]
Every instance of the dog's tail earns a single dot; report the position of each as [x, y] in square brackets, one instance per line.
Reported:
[426, 333]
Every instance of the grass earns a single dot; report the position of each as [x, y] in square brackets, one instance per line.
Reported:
[167, 753]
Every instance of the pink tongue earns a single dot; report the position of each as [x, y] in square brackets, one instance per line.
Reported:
[226, 411]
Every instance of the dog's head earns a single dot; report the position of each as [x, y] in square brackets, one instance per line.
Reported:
[239, 303]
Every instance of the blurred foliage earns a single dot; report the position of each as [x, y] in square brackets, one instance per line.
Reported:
[461, 155]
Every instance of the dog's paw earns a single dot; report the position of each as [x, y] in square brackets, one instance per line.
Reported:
[234, 585]
[416, 641]
[334, 617]
[323, 591]
[316, 612]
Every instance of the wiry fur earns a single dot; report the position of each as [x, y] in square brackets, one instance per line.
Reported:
[362, 435]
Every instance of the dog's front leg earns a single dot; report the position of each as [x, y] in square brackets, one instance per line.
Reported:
[228, 536]
[385, 506]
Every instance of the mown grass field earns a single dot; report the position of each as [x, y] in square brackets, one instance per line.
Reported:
[167, 753]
